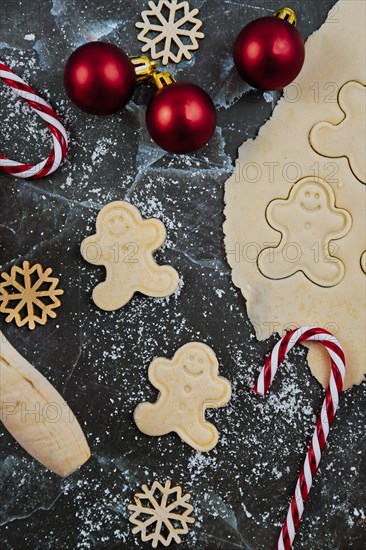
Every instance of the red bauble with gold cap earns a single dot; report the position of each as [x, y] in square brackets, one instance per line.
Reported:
[181, 116]
[99, 78]
[269, 52]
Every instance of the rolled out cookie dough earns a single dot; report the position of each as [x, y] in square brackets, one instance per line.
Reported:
[295, 230]
[341, 139]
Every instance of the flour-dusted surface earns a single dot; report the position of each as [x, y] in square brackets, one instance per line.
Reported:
[99, 360]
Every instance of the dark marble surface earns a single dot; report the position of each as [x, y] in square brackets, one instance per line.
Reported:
[98, 360]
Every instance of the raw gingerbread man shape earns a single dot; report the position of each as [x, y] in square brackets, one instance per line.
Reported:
[124, 243]
[348, 137]
[188, 384]
[308, 220]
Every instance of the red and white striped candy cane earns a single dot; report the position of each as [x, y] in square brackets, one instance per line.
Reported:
[45, 111]
[324, 421]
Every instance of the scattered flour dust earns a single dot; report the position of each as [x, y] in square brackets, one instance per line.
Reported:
[104, 145]
[103, 498]
[268, 97]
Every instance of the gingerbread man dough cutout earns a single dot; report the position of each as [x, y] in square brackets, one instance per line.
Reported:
[188, 385]
[308, 220]
[346, 138]
[124, 244]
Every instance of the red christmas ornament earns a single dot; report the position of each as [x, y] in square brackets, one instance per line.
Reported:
[99, 78]
[269, 52]
[181, 117]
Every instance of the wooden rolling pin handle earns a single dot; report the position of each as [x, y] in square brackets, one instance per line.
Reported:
[37, 416]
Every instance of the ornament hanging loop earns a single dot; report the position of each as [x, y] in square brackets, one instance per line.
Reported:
[287, 14]
[160, 79]
[144, 67]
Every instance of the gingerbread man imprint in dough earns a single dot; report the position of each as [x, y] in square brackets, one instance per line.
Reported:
[346, 138]
[124, 243]
[188, 384]
[308, 220]
[363, 262]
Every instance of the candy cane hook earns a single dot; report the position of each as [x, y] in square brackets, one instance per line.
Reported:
[323, 423]
[45, 111]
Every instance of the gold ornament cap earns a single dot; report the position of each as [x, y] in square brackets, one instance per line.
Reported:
[161, 79]
[287, 14]
[144, 67]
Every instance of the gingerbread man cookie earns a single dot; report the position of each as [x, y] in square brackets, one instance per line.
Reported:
[124, 244]
[188, 384]
[346, 138]
[308, 220]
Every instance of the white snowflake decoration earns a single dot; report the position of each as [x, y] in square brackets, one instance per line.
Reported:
[161, 513]
[170, 30]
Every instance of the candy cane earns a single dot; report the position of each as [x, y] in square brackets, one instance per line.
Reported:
[45, 111]
[324, 421]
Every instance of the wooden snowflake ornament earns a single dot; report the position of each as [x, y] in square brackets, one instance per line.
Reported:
[29, 295]
[170, 30]
[161, 514]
